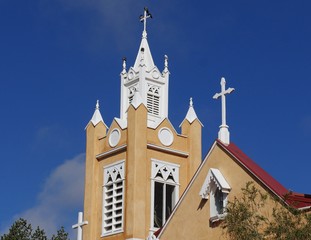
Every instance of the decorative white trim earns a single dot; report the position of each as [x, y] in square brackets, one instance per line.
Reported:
[187, 189]
[218, 188]
[168, 174]
[97, 117]
[191, 114]
[166, 168]
[121, 122]
[167, 150]
[113, 198]
[166, 136]
[219, 180]
[111, 152]
[119, 166]
[114, 137]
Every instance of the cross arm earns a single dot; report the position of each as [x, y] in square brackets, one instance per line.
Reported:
[230, 90]
[217, 95]
[80, 224]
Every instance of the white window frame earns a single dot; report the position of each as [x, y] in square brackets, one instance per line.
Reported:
[113, 198]
[215, 182]
[154, 100]
[168, 171]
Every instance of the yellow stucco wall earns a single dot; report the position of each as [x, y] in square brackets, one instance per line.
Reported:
[191, 218]
[137, 154]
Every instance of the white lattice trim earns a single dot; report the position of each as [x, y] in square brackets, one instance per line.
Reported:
[165, 171]
[216, 176]
[113, 172]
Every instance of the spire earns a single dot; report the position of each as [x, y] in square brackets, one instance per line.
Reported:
[147, 78]
[144, 56]
[191, 114]
[223, 134]
[97, 117]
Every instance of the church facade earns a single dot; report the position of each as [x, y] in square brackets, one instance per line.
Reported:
[137, 168]
[144, 180]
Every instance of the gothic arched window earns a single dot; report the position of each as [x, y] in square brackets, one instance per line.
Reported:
[164, 188]
[113, 198]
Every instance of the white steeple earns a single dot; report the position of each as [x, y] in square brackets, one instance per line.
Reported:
[191, 114]
[145, 77]
[97, 117]
[223, 134]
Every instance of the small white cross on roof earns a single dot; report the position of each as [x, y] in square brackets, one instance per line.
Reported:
[223, 134]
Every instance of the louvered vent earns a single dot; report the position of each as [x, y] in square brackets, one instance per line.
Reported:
[153, 100]
[113, 200]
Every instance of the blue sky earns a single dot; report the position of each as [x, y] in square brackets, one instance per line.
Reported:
[58, 57]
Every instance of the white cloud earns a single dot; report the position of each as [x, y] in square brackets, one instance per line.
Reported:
[60, 199]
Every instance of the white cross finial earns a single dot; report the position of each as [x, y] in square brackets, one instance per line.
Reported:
[124, 65]
[191, 102]
[79, 225]
[223, 133]
[143, 18]
[97, 104]
[165, 63]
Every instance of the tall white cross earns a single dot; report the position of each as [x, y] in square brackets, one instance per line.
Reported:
[223, 134]
[79, 225]
[143, 18]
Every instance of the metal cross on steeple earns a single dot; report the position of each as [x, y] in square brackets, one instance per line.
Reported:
[79, 225]
[143, 18]
[223, 133]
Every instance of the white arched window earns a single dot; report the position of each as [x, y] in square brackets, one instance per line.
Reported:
[164, 191]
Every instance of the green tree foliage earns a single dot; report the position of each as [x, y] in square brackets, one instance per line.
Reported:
[21, 230]
[39, 234]
[247, 219]
[61, 235]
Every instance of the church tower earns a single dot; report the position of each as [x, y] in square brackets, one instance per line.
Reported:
[138, 167]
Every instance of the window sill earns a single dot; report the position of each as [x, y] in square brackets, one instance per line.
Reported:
[216, 220]
[112, 233]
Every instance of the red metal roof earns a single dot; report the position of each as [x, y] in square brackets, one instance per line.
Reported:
[295, 200]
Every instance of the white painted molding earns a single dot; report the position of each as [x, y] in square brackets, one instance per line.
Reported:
[191, 115]
[216, 176]
[114, 137]
[167, 150]
[97, 117]
[121, 122]
[166, 136]
[116, 150]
